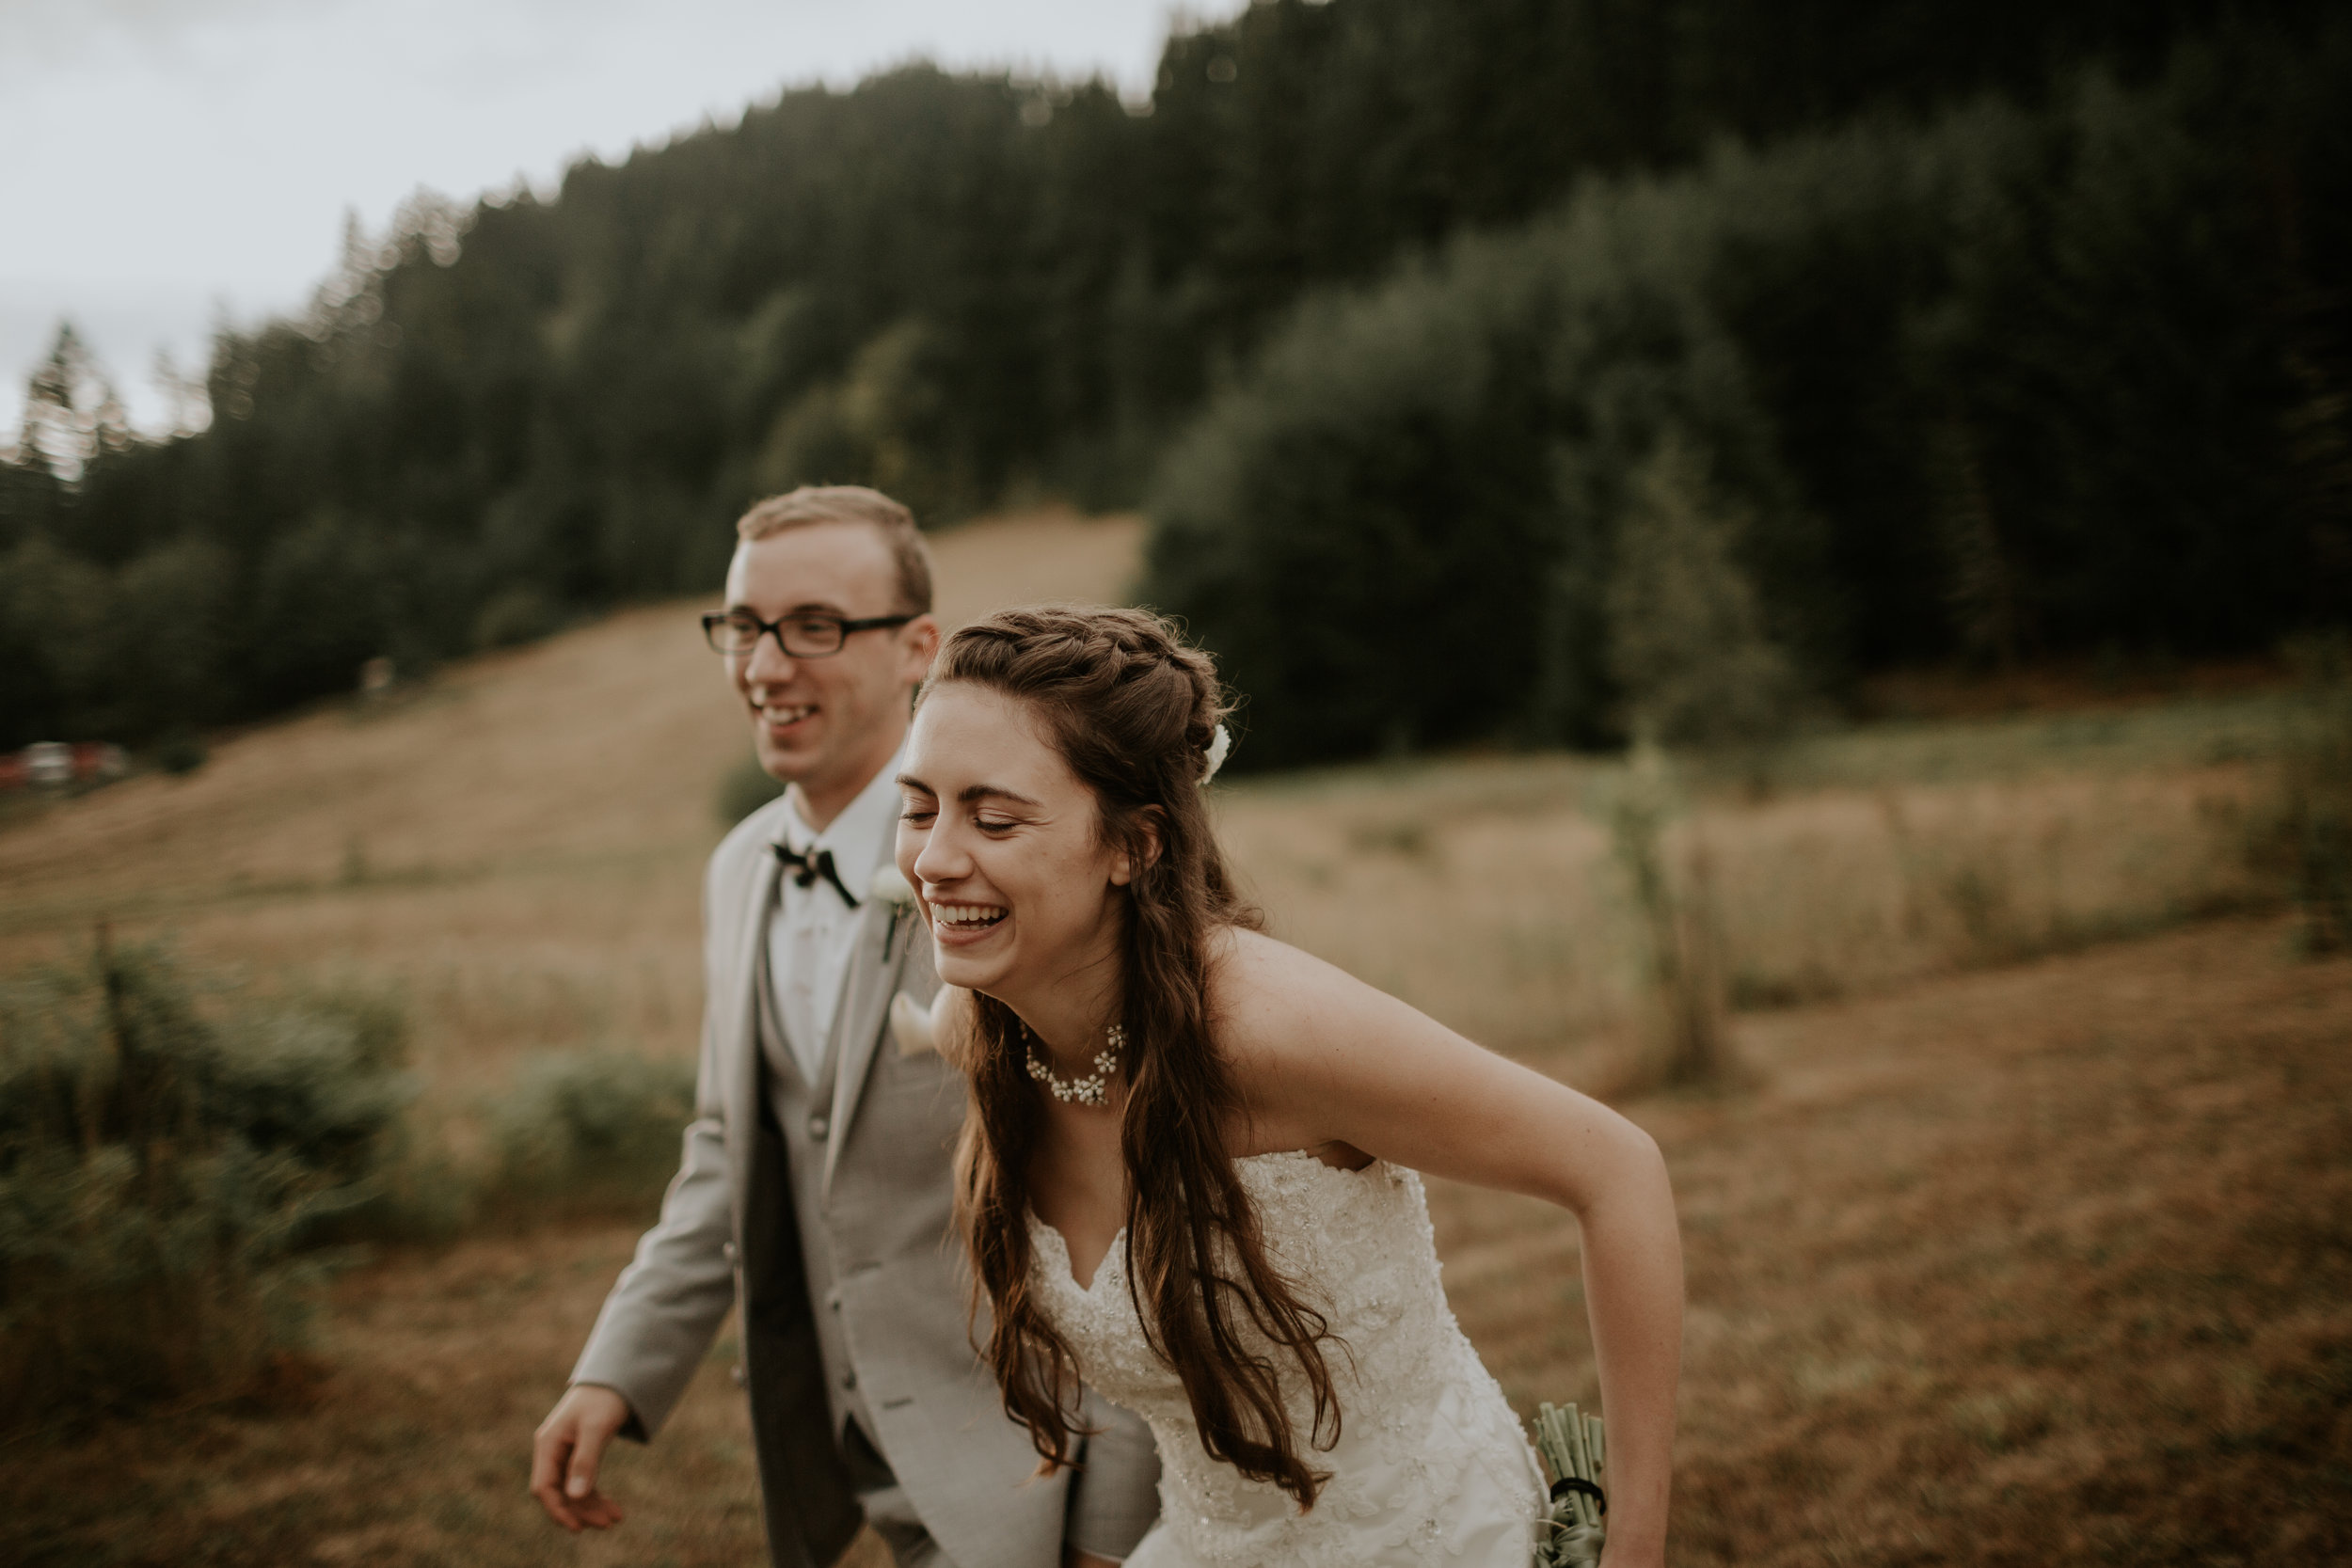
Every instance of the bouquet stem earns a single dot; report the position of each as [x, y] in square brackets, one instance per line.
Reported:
[1574, 1445]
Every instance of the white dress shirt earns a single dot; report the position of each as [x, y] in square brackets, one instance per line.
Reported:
[813, 931]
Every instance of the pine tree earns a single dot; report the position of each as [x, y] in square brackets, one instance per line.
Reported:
[71, 410]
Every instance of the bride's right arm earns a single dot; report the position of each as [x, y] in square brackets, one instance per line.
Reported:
[1322, 1057]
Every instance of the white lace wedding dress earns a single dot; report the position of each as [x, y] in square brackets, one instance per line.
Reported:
[1430, 1469]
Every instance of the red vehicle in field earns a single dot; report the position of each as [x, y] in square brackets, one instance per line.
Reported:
[53, 765]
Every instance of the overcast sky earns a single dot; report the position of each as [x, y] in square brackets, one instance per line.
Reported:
[169, 161]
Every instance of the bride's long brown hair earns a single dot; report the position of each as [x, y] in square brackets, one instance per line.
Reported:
[1133, 712]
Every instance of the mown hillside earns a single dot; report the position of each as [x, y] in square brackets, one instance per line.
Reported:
[514, 848]
[515, 845]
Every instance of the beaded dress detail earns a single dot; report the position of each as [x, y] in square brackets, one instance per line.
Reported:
[1430, 1466]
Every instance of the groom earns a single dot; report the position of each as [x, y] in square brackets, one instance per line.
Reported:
[815, 1189]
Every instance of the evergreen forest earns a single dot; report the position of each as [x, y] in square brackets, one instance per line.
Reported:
[1520, 371]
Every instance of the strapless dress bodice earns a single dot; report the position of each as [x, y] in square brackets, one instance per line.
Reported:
[1430, 1468]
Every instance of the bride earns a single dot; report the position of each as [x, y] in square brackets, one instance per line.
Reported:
[1189, 1173]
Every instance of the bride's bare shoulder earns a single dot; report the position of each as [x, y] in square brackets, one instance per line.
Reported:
[1266, 997]
[1244, 963]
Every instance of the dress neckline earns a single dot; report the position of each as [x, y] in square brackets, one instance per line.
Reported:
[1069, 1272]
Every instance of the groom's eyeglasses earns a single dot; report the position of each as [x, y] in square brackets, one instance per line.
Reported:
[739, 631]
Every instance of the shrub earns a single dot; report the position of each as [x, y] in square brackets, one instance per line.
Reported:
[164, 1176]
[2319, 815]
[742, 791]
[1687, 643]
[1401, 527]
[180, 753]
[524, 612]
[588, 1133]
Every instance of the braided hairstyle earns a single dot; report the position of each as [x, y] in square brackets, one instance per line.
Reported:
[1133, 712]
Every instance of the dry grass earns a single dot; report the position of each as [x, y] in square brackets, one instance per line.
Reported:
[405, 1441]
[516, 848]
[2050, 1265]
[1487, 893]
[2038, 1265]
[2029, 1264]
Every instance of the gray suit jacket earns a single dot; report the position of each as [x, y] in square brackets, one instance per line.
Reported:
[728, 1235]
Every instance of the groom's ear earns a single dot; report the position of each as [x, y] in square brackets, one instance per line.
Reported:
[1145, 845]
[918, 640]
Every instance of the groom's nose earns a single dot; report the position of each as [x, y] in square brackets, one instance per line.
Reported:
[768, 664]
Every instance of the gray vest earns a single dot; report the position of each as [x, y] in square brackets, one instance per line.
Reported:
[802, 1111]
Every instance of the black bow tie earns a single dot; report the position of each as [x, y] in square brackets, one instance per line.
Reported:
[806, 868]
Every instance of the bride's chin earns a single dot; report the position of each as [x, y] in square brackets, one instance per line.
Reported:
[956, 968]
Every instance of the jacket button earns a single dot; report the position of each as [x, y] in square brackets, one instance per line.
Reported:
[848, 1379]
[819, 1127]
[726, 1250]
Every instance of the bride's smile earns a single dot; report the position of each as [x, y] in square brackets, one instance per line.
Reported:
[1001, 841]
[1229, 1130]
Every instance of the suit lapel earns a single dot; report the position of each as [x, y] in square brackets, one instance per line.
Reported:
[857, 1022]
[741, 1044]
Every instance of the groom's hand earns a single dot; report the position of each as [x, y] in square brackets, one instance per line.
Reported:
[566, 1452]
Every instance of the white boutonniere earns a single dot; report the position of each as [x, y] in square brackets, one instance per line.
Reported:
[911, 1025]
[891, 892]
[892, 888]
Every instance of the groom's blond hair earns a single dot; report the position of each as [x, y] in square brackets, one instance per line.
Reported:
[851, 503]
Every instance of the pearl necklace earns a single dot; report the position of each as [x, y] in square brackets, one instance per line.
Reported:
[1092, 1089]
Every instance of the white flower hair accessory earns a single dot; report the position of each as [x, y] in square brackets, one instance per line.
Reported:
[1219, 744]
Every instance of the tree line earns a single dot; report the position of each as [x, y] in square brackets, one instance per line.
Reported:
[1700, 449]
[968, 287]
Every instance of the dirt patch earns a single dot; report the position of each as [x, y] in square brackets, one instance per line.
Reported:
[412, 1448]
[2038, 1265]
[2047, 1264]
